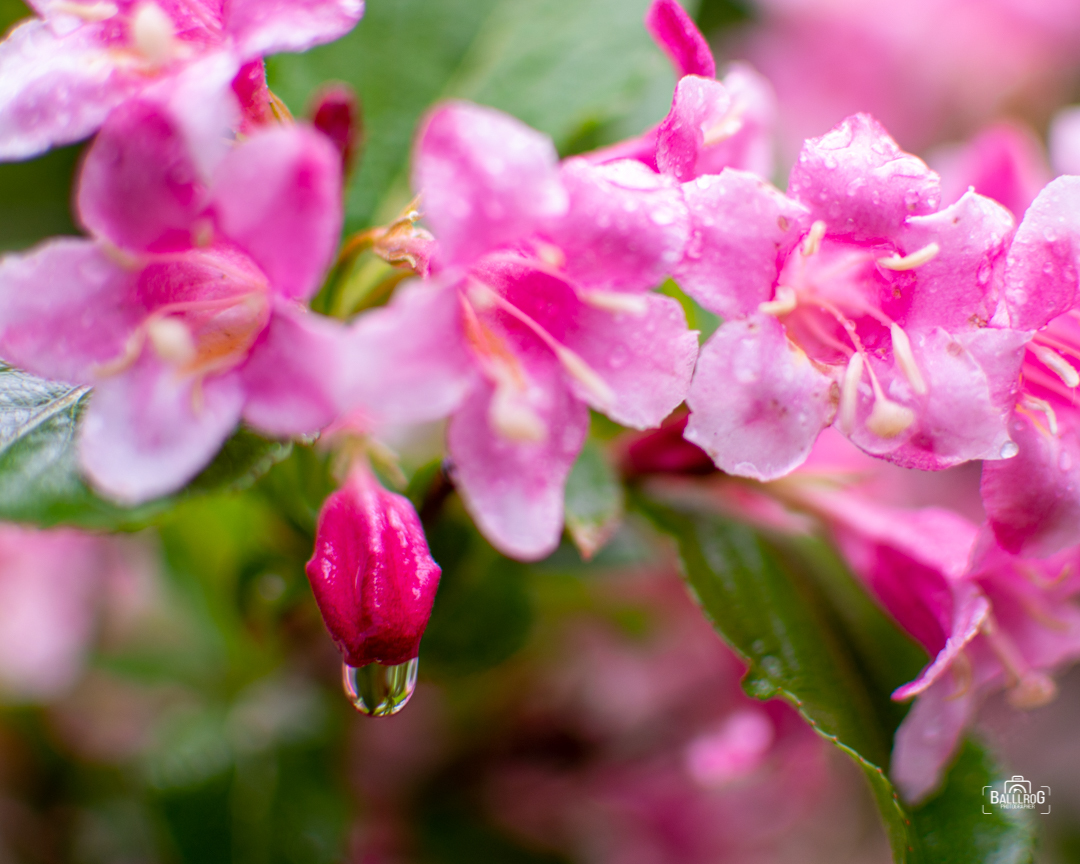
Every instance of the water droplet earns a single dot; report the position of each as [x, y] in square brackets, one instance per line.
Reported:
[378, 690]
[1009, 449]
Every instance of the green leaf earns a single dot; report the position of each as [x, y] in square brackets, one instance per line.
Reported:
[825, 651]
[40, 480]
[594, 500]
[35, 198]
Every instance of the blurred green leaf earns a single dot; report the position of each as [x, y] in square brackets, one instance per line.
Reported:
[35, 198]
[594, 500]
[39, 472]
[774, 614]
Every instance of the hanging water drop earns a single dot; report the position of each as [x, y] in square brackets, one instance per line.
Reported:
[1009, 449]
[378, 690]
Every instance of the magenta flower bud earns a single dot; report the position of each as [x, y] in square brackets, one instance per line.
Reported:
[335, 112]
[372, 573]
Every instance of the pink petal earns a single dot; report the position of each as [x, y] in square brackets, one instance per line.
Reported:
[261, 27]
[1033, 499]
[514, 490]
[65, 307]
[699, 106]
[757, 403]
[675, 32]
[408, 361]
[626, 227]
[753, 104]
[1040, 276]
[860, 182]
[928, 738]
[961, 282]
[486, 179]
[293, 380]
[147, 432]
[278, 195]
[743, 229]
[1064, 143]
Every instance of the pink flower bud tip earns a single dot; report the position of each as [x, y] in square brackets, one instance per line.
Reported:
[335, 112]
[372, 573]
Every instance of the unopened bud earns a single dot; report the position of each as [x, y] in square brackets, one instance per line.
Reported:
[335, 111]
[372, 573]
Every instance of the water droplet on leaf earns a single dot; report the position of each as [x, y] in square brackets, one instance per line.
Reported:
[378, 690]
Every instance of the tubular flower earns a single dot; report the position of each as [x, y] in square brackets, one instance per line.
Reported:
[183, 309]
[1033, 501]
[63, 71]
[538, 308]
[372, 573]
[854, 300]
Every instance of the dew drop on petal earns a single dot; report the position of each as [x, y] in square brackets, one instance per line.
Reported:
[378, 690]
[1009, 449]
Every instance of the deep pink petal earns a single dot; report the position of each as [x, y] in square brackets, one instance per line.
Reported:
[294, 379]
[860, 182]
[699, 109]
[1033, 499]
[514, 489]
[929, 736]
[148, 430]
[1040, 276]
[278, 195]
[65, 308]
[626, 227]
[743, 229]
[485, 179]
[261, 27]
[757, 403]
[677, 34]
[408, 361]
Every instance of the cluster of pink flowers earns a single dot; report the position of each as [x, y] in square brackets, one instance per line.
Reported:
[928, 328]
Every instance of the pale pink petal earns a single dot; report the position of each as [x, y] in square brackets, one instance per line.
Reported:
[65, 307]
[699, 110]
[1064, 141]
[743, 229]
[278, 195]
[261, 27]
[148, 430]
[929, 736]
[675, 32]
[294, 378]
[1042, 623]
[757, 403]
[485, 179]
[753, 107]
[626, 227]
[860, 182]
[1033, 499]
[960, 283]
[514, 489]
[1040, 276]
[408, 361]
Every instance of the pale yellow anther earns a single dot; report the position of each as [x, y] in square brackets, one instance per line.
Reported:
[1033, 690]
[1057, 364]
[481, 297]
[551, 255]
[909, 262]
[617, 301]
[783, 303]
[171, 339]
[1034, 403]
[202, 233]
[728, 125]
[513, 417]
[849, 393]
[85, 11]
[597, 388]
[812, 243]
[153, 35]
[888, 419]
[905, 359]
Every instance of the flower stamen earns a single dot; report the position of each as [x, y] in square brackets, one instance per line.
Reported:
[905, 359]
[909, 262]
[1057, 364]
[812, 243]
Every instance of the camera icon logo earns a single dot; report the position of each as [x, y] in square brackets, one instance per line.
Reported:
[1016, 793]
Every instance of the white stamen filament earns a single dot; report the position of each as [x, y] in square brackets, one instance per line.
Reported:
[171, 340]
[727, 126]
[887, 418]
[1034, 403]
[152, 34]
[812, 243]
[910, 262]
[1029, 687]
[1057, 364]
[905, 359]
[513, 417]
[85, 11]
[617, 301]
[849, 393]
[783, 303]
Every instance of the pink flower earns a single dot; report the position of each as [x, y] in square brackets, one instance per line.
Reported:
[64, 71]
[854, 299]
[183, 310]
[538, 309]
[372, 573]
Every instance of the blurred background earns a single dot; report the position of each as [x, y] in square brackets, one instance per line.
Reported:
[169, 693]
